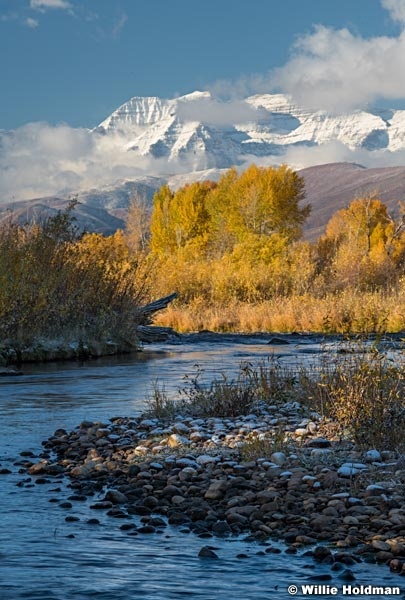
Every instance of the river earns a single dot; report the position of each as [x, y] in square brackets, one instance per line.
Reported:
[45, 557]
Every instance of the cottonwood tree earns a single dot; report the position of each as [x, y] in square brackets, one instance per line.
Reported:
[364, 244]
[138, 222]
[259, 203]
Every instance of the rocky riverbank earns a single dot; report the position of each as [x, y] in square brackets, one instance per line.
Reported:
[58, 350]
[279, 473]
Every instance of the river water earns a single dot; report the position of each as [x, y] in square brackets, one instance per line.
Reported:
[45, 557]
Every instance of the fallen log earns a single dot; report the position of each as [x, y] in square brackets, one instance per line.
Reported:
[152, 333]
[144, 313]
[148, 333]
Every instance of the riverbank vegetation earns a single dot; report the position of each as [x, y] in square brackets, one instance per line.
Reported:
[234, 251]
[359, 393]
[59, 284]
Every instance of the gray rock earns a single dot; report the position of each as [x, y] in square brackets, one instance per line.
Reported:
[206, 552]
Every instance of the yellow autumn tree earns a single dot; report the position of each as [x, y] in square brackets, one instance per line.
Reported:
[259, 202]
[362, 242]
[180, 219]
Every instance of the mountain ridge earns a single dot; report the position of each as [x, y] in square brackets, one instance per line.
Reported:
[263, 125]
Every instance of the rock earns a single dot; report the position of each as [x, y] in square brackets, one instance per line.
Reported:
[116, 497]
[39, 468]
[147, 424]
[187, 473]
[105, 505]
[318, 443]
[321, 552]
[372, 456]
[146, 529]
[278, 341]
[206, 459]
[175, 440]
[186, 462]
[347, 575]
[221, 528]
[180, 428]
[278, 458]
[351, 469]
[396, 565]
[206, 552]
[216, 490]
[375, 490]
[380, 545]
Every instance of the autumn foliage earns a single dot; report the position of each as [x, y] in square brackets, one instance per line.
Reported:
[235, 247]
[233, 250]
[55, 282]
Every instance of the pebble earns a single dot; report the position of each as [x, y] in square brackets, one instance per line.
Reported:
[204, 476]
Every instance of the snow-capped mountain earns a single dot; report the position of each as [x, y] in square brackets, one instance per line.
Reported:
[148, 142]
[199, 132]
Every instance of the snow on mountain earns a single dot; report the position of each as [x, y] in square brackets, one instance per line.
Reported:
[188, 131]
[149, 141]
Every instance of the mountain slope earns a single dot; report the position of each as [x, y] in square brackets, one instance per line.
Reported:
[328, 188]
[331, 187]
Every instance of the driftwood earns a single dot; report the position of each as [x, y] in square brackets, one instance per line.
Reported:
[144, 313]
[151, 333]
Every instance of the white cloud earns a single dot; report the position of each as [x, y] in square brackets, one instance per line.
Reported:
[335, 70]
[39, 160]
[119, 25]
[32, 23]
[43, 5]
[213, 112]
[396, 8]
[339, 71]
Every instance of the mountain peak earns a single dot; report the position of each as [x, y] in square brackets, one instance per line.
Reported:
[197, 95]
[203, 132]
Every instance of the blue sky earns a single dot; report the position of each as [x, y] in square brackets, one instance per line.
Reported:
[75, 61]
[65, 65]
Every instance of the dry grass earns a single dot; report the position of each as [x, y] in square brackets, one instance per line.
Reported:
[364, 392]
[55, 283]
[344, 312]
[361, 390]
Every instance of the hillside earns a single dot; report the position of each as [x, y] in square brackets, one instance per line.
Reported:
[328, 188]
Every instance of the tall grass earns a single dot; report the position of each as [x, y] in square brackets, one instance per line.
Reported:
[362, 392]
[342, 312]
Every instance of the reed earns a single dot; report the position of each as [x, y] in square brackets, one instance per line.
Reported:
[341, 312]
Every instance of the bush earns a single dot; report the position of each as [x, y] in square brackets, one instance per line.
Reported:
[55, 283]
[364, 391]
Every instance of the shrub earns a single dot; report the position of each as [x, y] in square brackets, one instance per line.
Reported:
[365, 392]
[55, 283]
